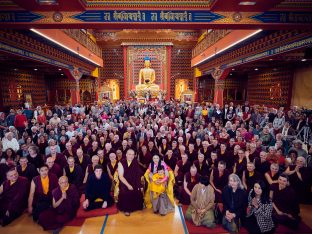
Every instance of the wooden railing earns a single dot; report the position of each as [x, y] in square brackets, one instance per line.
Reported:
[85, 40]
[210, 39]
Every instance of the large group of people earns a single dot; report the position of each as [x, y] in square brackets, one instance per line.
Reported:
[239, 165]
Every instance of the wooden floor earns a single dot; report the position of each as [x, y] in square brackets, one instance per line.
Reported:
[139, 222]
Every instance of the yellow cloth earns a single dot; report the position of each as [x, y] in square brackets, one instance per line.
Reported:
[157, 188]
[65, 189]
[24, 167]
[169, 189]
[126, 135]
[251, 173]
[204, 112]
[101, 160]
[45, 184]
[71, 169]
[98, 200]
[80, 160]
[11, 183]
[113, 164]
[129, 163]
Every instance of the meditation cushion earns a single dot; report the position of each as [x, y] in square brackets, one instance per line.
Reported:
[81, 213]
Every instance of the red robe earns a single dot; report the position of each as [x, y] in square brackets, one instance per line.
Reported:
[13, 199]
[131, 200]
[54, 218]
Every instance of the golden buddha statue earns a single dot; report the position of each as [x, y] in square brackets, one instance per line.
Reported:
[147, 78]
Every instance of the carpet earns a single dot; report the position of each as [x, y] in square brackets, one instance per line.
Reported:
[192, 229]
[81, 213]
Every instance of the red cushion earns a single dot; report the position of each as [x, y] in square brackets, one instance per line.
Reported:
[81, 213]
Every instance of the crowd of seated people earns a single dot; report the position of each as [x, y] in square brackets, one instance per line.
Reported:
[246, 159]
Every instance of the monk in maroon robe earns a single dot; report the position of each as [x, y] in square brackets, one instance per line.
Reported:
[144, 158]
[201, 165]
[13, 197]
[40, 195]
[130, 188]
[58, 157]
[54, 168]
[82, 160]
[219, 179]
[26, 169]
[65, 204]
[191, 178]
[285, 203]
[74, 174]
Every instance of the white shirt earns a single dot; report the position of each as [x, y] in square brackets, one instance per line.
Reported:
[10, 144]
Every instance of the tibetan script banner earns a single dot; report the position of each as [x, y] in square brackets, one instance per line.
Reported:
[147, 16]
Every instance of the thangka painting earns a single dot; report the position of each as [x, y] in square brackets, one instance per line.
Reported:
[135, 62]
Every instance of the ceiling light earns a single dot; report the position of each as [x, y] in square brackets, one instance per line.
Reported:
[256, 69]
[15, 69]
[274, 69]
[303, 60]
[62, 74]
[231, 74]
[35, 69]
[270, 59]
[247, 3]
[233, 69]
[60, 69]
[47, 2]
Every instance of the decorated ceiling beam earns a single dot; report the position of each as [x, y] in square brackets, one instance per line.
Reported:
[277, 43]
[188, 19]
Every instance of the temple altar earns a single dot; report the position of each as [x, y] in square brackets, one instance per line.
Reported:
[147, 70]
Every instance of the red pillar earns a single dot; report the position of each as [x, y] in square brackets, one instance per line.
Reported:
[125, 72]
[97, 85]
[168, 71]
[75, 94]
[195, 83]
[218, 92]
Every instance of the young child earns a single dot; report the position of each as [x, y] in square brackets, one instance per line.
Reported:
[159, 187]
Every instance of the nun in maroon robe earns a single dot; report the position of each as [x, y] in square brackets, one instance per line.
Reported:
[130, 187]
[40, 196]
[13, 198]
[64, 206]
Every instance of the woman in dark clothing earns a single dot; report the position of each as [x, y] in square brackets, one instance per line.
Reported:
[234, 204]
[259, 215]
[286, 207]
[98, 189]
[34, 157]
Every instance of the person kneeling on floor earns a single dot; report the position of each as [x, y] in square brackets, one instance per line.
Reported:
[98, 190]
[201, 210]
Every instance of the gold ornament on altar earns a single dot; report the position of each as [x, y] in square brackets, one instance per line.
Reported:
[147, 80]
